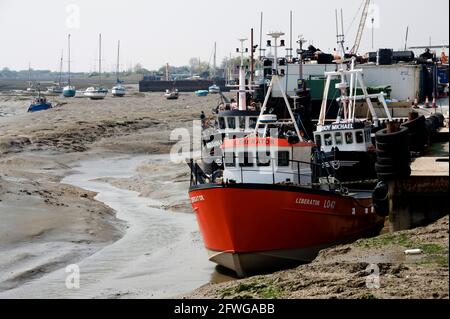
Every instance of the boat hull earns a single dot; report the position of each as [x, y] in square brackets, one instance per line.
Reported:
[252, 228]
[95, 95]
[39, 107]
[118, 92]
[69, 93]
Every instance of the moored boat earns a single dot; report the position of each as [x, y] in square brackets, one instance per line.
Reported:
[171, 94]
[201, 93]
[96, 93]
[214, 89]
[39, 104]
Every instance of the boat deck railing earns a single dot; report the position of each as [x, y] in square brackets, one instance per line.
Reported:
[305, 174]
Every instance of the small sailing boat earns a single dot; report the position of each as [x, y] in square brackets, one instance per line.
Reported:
[39, 104]
[69, 90]
[118, 90]
[214, 89]
[57, 89]
[99, 92]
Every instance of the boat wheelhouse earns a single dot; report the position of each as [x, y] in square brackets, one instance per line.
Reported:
[347, 141]
[266, 160]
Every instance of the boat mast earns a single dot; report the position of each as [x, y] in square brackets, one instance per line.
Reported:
[68, 61]
[29, 74]
[60, 68]
[118, 61]
[215, 60]
[100, 59]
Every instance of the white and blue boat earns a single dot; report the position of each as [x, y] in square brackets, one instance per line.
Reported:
[69, 90]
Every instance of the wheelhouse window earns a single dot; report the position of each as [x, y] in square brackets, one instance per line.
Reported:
[338, 138]
[230, 159]
[360, 137]
[242, 123]
[222, 124]
[245, 159]
[349, 138]
[263, 159]
[283, 159]
[231, 123]
[328, 140]
[318, 139]
[252, 122]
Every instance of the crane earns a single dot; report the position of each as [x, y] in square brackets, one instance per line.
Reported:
[362, 25]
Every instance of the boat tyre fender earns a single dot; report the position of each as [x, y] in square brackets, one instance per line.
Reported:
[380, 197]
[416, 124]
[391, 138]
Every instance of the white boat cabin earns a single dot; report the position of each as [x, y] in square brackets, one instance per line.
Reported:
[345, 137]
[266, 161]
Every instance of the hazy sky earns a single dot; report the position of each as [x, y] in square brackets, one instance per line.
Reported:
[156, 32]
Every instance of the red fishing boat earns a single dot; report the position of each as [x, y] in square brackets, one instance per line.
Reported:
[268, 214]
[275, 202]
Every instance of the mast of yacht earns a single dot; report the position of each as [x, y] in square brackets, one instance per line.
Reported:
[29, 74]
[68, 61]
[60, 69]
[215, 61]
[118, 61]
[100, 59]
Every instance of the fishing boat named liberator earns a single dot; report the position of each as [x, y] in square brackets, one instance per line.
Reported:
[272, 206]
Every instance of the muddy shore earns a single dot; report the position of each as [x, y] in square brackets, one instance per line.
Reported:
[47, 224]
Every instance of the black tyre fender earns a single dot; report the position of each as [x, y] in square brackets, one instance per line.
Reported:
[391, 147]
[380, 197]
[416, 124]
[390, 138]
